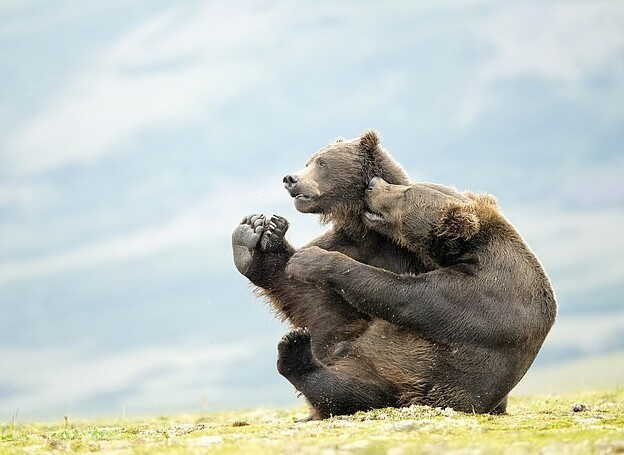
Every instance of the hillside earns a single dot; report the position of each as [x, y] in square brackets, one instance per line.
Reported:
[588, 422]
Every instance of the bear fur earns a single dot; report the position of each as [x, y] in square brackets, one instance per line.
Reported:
[460, 335]
[333, 185]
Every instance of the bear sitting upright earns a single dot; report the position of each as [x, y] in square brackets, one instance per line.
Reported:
[333, 185]
[485, 308]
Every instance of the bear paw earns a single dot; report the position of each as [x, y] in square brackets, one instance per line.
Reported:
[245, 239]
[273, 234]
[295, 353]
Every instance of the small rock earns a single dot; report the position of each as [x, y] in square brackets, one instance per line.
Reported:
[579, 407]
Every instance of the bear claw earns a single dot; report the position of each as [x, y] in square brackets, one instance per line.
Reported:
[274, 233]
[255, 233]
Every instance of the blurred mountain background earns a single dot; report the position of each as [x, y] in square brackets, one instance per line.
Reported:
[134, 136]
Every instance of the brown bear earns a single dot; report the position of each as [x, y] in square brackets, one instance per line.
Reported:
[333, 184]
[461, 335]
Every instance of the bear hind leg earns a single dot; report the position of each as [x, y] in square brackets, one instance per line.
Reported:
[255, 234]
[245, 240]
[328, 390]
[295, 354]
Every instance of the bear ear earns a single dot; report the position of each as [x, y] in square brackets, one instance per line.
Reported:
[370, 140]
[484, 200]
[378, 162]
[338, 139]
[458, 222]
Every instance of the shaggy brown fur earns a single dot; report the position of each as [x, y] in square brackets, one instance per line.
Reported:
[332, 185]
[461, 335]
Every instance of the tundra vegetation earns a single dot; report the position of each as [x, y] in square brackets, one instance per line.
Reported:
[585, 422]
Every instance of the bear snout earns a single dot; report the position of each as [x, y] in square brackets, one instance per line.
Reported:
[290, 181]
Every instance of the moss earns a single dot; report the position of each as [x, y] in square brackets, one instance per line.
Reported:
[534, 424]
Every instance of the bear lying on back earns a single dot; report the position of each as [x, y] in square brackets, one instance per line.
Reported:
[485, 309]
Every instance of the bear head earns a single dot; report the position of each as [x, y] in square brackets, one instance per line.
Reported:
[335, 178]
[427, 215]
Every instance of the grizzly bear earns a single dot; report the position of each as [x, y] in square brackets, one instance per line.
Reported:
[333, 185]
[461, 335]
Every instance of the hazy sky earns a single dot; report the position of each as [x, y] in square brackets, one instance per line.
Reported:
[134, 135]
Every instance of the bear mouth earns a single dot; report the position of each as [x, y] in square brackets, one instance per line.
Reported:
[374, 217]
[300, 197]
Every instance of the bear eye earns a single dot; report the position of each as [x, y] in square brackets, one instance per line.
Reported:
[320, 162]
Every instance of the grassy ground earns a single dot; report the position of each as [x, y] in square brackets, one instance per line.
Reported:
[589, 422]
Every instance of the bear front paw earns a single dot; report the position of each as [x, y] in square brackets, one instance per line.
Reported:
[311, 265]
[274, 232]
[295, 353]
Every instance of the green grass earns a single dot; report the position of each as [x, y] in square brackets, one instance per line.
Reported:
[544, 424]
